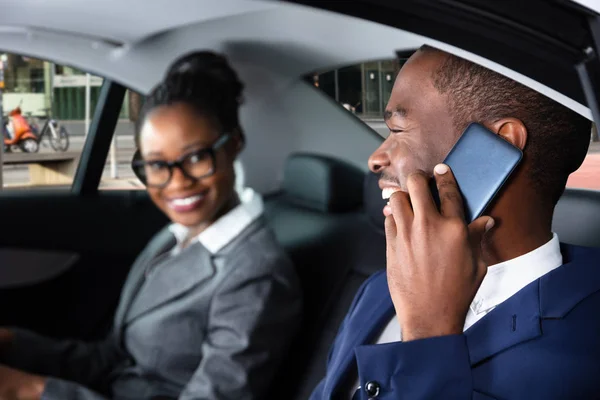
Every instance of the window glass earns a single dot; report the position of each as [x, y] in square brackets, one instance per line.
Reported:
[586, 177]
[363, 89]
[118, 174]
[47, 110]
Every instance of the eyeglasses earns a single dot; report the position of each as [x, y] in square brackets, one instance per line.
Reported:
[195, 165]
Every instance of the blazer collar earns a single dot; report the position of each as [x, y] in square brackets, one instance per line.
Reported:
[174, 276]
[156, 251]
[519, 318]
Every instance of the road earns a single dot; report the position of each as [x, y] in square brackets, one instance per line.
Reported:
[588, 176]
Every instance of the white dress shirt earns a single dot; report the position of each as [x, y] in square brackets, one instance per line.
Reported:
[226, 228]
[501, 282]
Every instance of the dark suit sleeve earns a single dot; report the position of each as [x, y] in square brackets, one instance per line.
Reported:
[71, 365]
[58, 389]
[433, 368]
[252, 320]
[79, 361]
[318, 392]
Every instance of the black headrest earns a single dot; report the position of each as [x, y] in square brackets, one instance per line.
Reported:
[577, 217]
[373, 202]
[323, 183]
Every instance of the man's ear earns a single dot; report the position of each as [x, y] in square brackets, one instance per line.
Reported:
[511, 129]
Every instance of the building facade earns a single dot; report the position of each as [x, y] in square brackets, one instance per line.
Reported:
[365, 88]
[39, 86]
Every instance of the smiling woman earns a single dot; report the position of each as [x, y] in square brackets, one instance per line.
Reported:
[196, 186]
[210, 306]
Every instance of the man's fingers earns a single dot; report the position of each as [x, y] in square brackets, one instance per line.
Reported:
[390, 228]
[400, 219]
[400, 203]
[402, 211]
[477, 229]
[390, 236]
[420, 194]
[451, 201]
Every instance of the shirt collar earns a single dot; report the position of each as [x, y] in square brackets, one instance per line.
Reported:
[505, 279]
[229, 226]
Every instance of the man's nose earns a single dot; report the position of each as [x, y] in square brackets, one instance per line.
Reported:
[379, 160]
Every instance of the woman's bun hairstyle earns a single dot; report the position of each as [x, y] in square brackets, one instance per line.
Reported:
[205, 81]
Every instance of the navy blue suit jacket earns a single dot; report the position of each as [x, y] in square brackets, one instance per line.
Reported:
[542, 343]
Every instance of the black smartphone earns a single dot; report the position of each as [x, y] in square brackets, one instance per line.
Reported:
[482, 162]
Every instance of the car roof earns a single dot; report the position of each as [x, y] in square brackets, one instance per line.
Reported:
[133, 41]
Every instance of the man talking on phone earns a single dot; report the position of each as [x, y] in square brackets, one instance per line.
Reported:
[498, 308]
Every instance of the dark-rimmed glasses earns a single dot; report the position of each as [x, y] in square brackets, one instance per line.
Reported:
[196, 165]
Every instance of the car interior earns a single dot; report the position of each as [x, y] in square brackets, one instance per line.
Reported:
[66, 253]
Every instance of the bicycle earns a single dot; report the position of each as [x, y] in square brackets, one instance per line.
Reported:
[57, 134]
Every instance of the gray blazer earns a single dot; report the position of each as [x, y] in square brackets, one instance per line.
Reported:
[198, 326]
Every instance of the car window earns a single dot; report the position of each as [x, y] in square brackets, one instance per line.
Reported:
[362, 89]
[118, 174]
[47, 110]
[586, 177]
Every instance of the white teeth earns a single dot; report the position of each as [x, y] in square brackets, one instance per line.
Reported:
[186, 201]
[386, 193]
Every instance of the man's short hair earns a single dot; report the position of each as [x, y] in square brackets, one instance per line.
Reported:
[558, 138]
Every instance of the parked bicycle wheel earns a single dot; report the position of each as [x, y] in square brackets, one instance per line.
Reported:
[59, 142]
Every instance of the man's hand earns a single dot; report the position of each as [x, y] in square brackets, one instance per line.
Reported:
[434, 264]
[19, 385]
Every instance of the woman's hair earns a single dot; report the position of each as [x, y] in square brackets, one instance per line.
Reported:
[205, 81]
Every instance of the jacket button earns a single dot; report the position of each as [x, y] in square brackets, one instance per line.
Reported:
[372, 389]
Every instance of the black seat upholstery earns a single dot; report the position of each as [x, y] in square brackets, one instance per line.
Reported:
[320, 219]
[577, 217]
[312, 217]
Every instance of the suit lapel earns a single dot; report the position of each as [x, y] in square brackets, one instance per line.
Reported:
[155, 252]
[519, 318]
[515, 321]
[172, 277]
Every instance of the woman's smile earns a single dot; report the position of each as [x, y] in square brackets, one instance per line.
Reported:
[186, 203]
